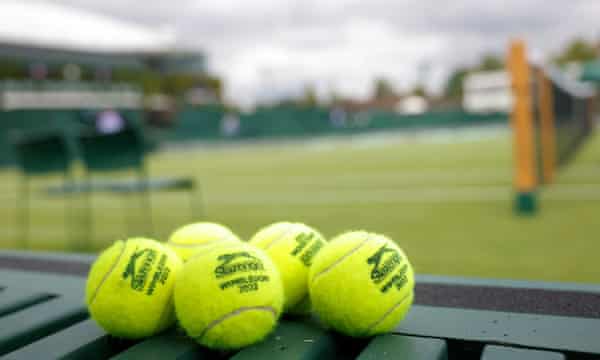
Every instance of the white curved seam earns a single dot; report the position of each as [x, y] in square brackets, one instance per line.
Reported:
[202, 253]
[194, 245]
[281, 236]
[227, 236]
[387, 313]
[234, 313]
[112, 268]
[330, 267]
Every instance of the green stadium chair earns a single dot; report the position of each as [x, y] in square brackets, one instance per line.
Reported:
[125, 151]
[38, 155]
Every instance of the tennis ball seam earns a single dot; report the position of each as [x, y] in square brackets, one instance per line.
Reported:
[233, 313]
[222, 238]
[340, 259]
[388, 312]
[176, 244]
[203, 253]
[281, 236]
[107, 274]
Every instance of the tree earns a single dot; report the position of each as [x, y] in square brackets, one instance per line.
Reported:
[419, 90]
[383, 89]
[490, 62]
[577, 50]
[454, 85]
[309, 98]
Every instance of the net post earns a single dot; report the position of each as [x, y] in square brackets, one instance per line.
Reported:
[525, 179]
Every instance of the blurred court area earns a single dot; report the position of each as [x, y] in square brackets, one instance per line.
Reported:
[120, 132]
[445, 195]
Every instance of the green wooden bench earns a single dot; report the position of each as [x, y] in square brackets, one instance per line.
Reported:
[42, 316]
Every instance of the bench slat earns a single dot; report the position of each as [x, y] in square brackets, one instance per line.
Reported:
[82, 340]
[172, 345]
[72, 287]
[405, 347]
[493, 352]
[28, 325]
[537, 331]
[12, 299]
[297, 340]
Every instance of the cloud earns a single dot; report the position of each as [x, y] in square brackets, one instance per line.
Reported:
[266, 49]
[358, 51]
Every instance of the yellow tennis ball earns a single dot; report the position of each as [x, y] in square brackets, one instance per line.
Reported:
[361, 284]
[292, 247]
[228, 297]
[201, 236]
[130, 286]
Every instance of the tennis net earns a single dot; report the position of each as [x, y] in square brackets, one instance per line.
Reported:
[563, 115]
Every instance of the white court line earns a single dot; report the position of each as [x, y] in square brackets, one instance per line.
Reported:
[383, 138]
[417, 195]
[433, 174]
[456, 194]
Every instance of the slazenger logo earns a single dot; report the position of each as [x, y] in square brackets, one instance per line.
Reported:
[383, 265]
[237, 262]
[139, 273]
[306, 251]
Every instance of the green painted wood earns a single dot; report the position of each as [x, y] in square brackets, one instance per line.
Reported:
[82, 340]
[519, 284]
[48, 255]
[422, 279]
[406, 347]
[304, 340]
[110, 152]
[536, 331]
[43, 153]
[26, 326]
[13, 299]
[295, 340]
[173, 345]
[493, 352]
[72, 287]
[124, 186]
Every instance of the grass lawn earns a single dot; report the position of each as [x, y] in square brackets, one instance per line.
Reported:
[445, 198]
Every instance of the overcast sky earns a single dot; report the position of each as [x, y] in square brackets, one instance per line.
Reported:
[266, 49]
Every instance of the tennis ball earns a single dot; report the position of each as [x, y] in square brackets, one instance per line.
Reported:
[361, 284]
[130, 286]
[228, 297]
[188, 239]
[291, 246]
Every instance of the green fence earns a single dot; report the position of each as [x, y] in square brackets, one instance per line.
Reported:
[206, 123]
[18, 123]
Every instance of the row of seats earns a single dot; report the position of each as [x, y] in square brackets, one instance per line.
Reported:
[48, 153]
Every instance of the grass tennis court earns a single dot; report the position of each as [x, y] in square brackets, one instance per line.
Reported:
[446, 197]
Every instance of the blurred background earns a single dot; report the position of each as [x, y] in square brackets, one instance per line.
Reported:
[123, 118]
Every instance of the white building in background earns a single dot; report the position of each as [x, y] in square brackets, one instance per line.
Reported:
[42, 37]
[412, 105]
[487, 91]
[42, 33]
[47, 25]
